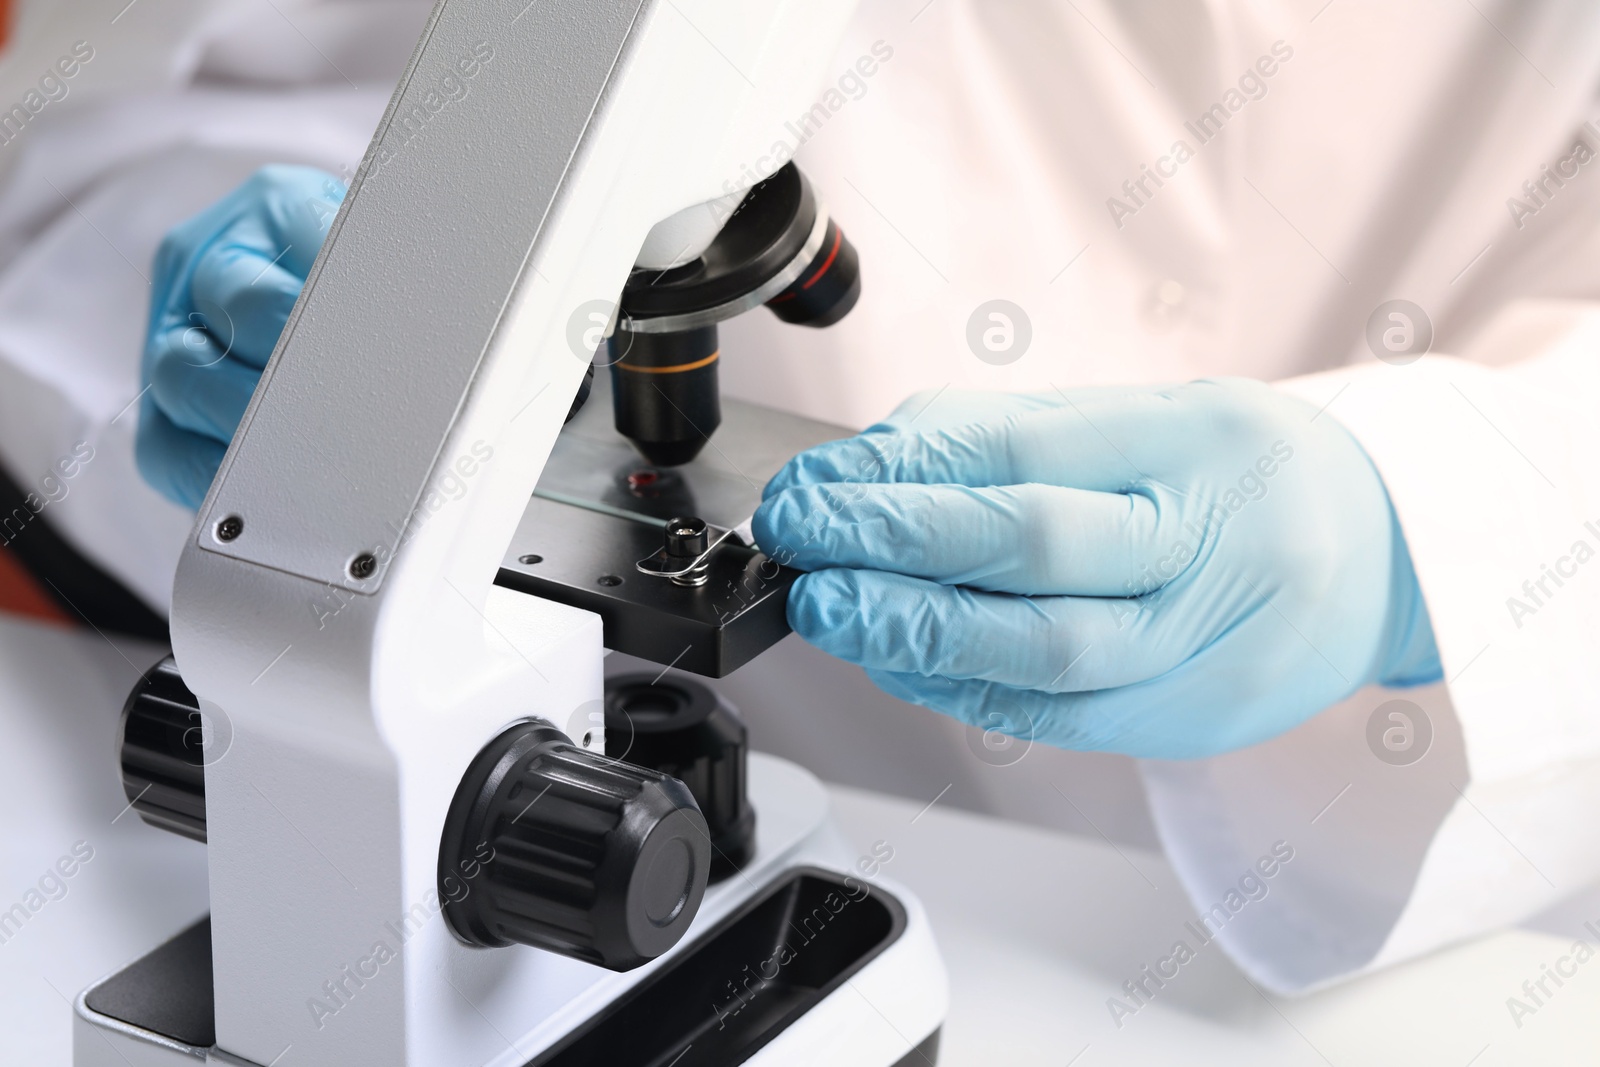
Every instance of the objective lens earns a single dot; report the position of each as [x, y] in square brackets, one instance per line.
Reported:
[664, 392]
[827, 289]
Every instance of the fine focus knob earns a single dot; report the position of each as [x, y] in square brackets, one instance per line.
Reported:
[679, 727]
[574, 853]
[163, 752]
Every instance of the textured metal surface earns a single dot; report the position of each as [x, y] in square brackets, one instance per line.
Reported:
[168, 992]
[347, 362]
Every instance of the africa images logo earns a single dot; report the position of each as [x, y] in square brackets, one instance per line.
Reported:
[1252, 887]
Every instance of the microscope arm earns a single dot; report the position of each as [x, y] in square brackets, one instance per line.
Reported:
[336, 607]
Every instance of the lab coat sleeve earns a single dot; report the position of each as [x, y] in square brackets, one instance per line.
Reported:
[85, 208]
[1474, 809]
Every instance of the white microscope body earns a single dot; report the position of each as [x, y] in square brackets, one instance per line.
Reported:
[433, 337]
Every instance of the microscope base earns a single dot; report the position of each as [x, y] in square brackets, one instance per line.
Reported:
[810, 965]
[157, 1011]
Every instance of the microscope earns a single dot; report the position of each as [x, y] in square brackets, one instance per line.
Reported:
[436, 833]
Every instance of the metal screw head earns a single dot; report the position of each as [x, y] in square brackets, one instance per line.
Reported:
[230, 528]
[364, 565]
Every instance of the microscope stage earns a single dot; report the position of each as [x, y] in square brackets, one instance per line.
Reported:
[600, 509]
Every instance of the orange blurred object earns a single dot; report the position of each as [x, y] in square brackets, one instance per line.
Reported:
[20, 594]
[5, 22]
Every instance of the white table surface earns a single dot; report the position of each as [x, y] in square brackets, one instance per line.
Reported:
[1038, 929]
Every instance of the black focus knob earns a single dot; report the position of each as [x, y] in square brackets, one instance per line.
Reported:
[164, 746]
[679, 727]
[549, 845]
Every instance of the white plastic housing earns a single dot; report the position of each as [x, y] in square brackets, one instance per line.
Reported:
[406, 416]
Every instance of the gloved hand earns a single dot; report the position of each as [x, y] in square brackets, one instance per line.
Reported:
[1164, 572]
[224, 284]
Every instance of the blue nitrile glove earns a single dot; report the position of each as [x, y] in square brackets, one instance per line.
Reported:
[1169, 572]
[224, 284]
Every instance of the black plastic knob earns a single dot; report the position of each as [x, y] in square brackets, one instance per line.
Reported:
[572, 852]
[687, 539]
[163, 750]
[679, 727]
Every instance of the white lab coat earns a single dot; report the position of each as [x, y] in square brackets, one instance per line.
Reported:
[1384, 157]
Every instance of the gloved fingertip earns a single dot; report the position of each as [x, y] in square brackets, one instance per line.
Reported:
[824, 609]
[174, 462]
[167, 479]
[781, 529]
[792, 476]
[777, 483]
[186, 493]
[801, 470]
[806, 609]
[766, 526]
[194, 478]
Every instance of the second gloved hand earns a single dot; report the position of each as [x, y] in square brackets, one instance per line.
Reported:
[1163, 572]
[225, 282]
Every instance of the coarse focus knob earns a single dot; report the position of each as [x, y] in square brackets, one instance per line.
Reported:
[163, 750]
[580, 854]
[679, 727]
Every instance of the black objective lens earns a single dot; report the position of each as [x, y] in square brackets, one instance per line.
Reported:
[665, 384]
[827, 289]
[664, 392]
